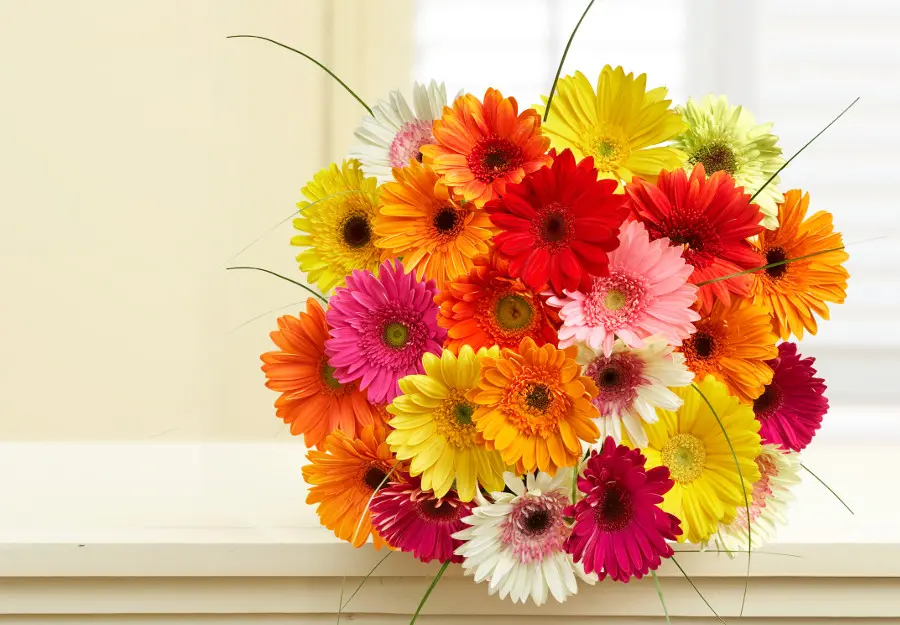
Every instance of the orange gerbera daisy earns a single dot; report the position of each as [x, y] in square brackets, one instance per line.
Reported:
[343, 477]
[421, 222]
[733, 343]
[482, 147]
[534, 407]
[487, 308]
[312, 401]
[794, 291]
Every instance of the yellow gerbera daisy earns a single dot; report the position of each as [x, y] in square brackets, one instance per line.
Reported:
[433, 426]
[421, 222]
[690, 442]
[337, 225]
[617, 124]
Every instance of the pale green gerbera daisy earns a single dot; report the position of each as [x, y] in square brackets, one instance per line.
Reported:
[725, 137]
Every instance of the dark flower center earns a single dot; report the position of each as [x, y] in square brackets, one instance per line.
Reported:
[554, 227]
[493, 157]
[538, 397]
[419, 156]
[445, 220]
[689, 239]
[715, 157]
[536, 522]
[703, 345]
[430, 509]
[614, 510]
[776, 255]
[769, 401]
[609, 378]
[374, 477]
[356, 231]
[463, 412]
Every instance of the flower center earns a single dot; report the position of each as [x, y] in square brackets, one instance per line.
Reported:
[608, 150]
[554, 227]
[618, 378]
[616, 301]
[534, 529]
[395, 334]
[536, 522]
[609, 377]
[445, 221]
[408, 141]
[768, 402]
[327, 373]
[356, 231]
[614, 510]
[538, 397]
[374, 477]
[437, 510]
[685, 456]
[453, 420]
[493, 157]
[514, 312]
[463, 412]
[776, 255]
[703, 345]
[715, 157]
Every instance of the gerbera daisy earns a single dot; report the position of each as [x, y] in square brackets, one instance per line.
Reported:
[344, 476]
[393, 134]
[414, 520]
[733, 344]
[632, 384]
[727, 138]
[433, 426]
[421, 222]
[711, 218]
[617, 124]
[487, 308]
[312, 401]
[779, 472]
[480, 148]
[797, 291]
[691, 443]
[558, 224]
[645, 293]
[516, 540]
[380, 329]
[337, 225]
[534, 407]
[620, 529]
[791, 408]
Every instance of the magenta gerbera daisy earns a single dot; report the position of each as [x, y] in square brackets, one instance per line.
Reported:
[380, 329]
[413, 520]
[646, 292]
[620, 530]
[791, 408]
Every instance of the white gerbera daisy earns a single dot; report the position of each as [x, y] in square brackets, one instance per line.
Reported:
[779, 471]
[516, 541]
[724, 137]
[632, 384]
[393, 134]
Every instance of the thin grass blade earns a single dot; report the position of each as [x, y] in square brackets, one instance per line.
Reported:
[563, 59]
[427, 594]
[364, 580]
[822, 482]
[697, 590]
[661, 598]
[268, 312]
[743, 489]
[309, 58]
[278, 275]
[769, 266]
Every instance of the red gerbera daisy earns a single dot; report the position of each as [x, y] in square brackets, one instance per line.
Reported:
[620, 529]
[711, 218]
[558, 224]
[791, 408]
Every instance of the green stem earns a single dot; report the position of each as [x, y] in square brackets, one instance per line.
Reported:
[822, 482]
[278, 275]
[308, 57]
[769, 266]
[427, 594]
[697, 590]
[368, 575]
[563, 59]
[661, 598]
[797, 153]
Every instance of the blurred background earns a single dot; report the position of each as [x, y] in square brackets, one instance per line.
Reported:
[142, 153]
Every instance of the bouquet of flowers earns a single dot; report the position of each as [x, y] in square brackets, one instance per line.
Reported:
[553, 341]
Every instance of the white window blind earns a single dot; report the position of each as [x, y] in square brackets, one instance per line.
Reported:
[795, 63]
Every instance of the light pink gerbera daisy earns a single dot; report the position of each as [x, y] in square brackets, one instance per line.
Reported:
[413, 520]
[646, 292]
[381, 328]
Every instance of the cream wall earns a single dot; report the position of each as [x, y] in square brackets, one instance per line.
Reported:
[139, 150]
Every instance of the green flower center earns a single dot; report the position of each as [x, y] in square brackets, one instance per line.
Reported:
[463, 412]
[514, 312]
[328, 377]
[396, 335]
[614, 300]
[685, 456]
[715, 157]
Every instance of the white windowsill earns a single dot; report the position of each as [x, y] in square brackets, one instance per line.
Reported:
[227, 518]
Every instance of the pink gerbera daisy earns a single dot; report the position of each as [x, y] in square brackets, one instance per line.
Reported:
[413, 520]
[646, 292]
[791, 408]
[620, 529]
[381, 328]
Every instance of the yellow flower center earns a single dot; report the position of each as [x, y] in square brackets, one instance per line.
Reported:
[614, 300]
[453, 420]
[396, 334]
[513, 312]
[608, 149]
[685, 456]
